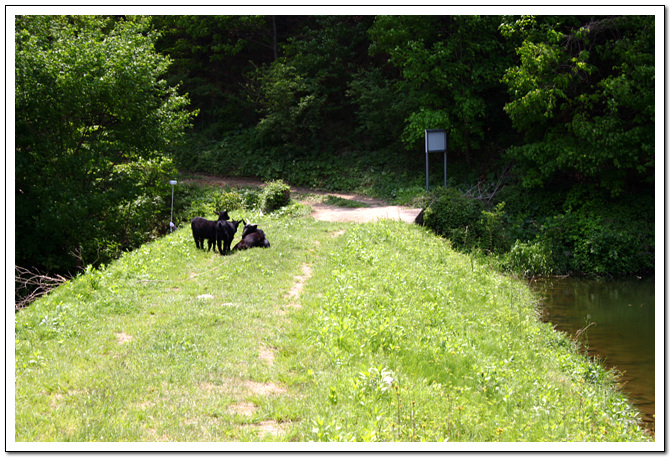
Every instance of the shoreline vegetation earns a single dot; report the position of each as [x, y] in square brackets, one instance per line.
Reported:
[339, 332]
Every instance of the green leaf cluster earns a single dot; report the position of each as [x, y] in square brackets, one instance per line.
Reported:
[455, 216]
[452, 65]
[585, 233]
[579, 90]
[584, 99]
[94, 116]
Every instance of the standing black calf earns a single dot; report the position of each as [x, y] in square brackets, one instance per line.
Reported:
[225, 231]
[203, 228]
[252, 236]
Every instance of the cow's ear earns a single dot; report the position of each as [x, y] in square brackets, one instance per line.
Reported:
[255, 226]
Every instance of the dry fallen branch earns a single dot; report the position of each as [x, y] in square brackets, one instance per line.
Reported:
[486, 191]
[29, 285]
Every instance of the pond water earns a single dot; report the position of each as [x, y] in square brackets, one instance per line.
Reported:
[623, 335]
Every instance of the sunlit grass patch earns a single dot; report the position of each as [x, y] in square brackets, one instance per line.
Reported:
[136, 340]
[339, 331]
[420, 343]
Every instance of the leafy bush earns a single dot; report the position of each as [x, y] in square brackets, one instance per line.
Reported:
[454, 216]
[250, 198]
[93, 117]
[529, 258]
[275, 195]
[601, 236]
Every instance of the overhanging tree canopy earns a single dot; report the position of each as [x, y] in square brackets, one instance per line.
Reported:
[584, 98]
[93, 118]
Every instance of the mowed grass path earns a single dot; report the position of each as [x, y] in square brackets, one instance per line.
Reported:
[339, 331]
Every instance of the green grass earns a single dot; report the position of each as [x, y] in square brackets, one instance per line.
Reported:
[393, 337]
[343, 202]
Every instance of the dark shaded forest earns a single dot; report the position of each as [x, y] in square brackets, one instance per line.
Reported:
[550, 123]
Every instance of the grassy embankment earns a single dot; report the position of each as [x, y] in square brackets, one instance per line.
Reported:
[339, 332]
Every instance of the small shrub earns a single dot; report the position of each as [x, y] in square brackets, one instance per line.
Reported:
[275, 195]
[229, 200]
[250, 198]
[529, 258]
[454, 216]
[493, 225]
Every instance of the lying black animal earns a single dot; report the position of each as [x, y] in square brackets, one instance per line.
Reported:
[225, 231]
[203, 228]
[252, 237]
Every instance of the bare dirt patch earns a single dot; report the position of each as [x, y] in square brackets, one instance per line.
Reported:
[267, 355]
[245, 408]
[266, 388]
[327, 213]
[144, 405]
[55, 401]
[123, 338]
[300, 282]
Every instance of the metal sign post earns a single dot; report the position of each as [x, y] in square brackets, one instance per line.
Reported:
[436, 141]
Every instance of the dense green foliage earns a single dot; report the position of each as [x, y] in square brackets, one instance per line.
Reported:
[586, 233]
[583, 94]
[455, 216]
[452, 65]
[340, 102]
[93, 119]
[567, 100]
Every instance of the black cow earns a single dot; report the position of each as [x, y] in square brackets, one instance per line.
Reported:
[203, 228]
[252, 236]
[225, 231]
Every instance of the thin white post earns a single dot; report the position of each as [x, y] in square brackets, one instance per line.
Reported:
[172, 226]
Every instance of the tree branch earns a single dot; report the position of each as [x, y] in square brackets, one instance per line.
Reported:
[30, 285]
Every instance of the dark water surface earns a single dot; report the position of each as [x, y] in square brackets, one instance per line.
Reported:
[624, 334]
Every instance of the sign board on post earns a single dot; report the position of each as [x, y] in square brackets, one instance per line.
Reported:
[436, 141]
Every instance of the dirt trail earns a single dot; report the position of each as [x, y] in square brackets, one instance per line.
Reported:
[375, 209]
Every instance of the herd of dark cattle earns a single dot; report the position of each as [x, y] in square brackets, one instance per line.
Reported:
[223, 231]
